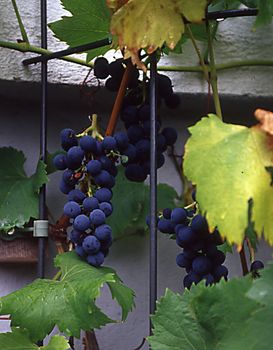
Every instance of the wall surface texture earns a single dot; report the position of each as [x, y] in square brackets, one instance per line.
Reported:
[236, 40]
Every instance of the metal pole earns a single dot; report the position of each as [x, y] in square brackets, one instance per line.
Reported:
[153, 187]
[43, 138]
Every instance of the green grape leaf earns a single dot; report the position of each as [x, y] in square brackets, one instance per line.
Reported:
[19, 193]
[68, 303]
[50, 167]
[141, 24]
[265, 12]
[131, 205]
[89, 21]
[219, 5]
[18, 339]
[225, 248]
[229, 315]
[228, 164]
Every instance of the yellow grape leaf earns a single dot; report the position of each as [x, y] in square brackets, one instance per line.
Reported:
[228, 164]
[142, 24]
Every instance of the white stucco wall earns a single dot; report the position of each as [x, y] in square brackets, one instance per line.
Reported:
[236, 40]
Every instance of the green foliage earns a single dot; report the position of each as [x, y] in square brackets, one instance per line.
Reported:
[226, 316]
[19, 193]
[89, 22]
[131, 205]
[68, 303]
[265, 12]
[231, 173]
[50, 167]
[18, 339]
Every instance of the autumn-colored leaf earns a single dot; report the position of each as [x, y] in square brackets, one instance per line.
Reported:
[266, 120]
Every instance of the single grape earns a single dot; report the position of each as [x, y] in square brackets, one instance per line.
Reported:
[60, 161]
[105, 179]
[81, 223]
[195, 277]
[182, 261]
[112, 85]
[202, 265]
[122, 140]
[104, 194]
[95, 259]
[68, 177]
[75, 237]
[101, 68]
[185, 236]
[76, 196]
[256, 265]
[218, 258]
[135, 133]
[106, 207]
[88, 144]
[187, 282]
[209, 279]
[80, 251]
[170, 135]
[72, 209]
[90, 203]
[130, 115]
[94, 167]
[130, 152]
[75, 157]
[97, 217]
[164, 86]
[109, 143]
[167, 213]
[219, 272]
[68, 139]
[165, 226]
[103, 233]
[143, 149]
[91, 245]
[116, 69]
[65, 188]
[161, 143]
[106, 163]
[199, 225]
[135, 172]
[178, 215]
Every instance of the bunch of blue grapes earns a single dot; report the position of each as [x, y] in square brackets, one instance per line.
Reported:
[200, 256]
[89, 170]
[114, 71]
[135, 142]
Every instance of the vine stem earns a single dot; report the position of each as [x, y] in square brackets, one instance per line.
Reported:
[119, 99]
[20, 22]
[57, 276]
[243, 261]
[213, 73]
[201, 60]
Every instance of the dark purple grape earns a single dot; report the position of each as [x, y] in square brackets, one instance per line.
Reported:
[161, 143]
[130, 152]
[170, 136]
[202, 265]
[90, 203]
[94, 167]
[68, 139]
[187, 282]
[97, 217]
[103, 232]
[75, 237]
[75, 157]
[101, 68]
[88, 144]
[160, 160]
[72, 209]
[104, 195]
[122, 140]
[109, 143]
[95, 259]
[135, 133]
[182, 261]
[112, 85]
[76, 196]
[165, 226]
[135, 172]
[256, 265]
[199, 225]
[60, 161]
[218, 258]
[130, 115]
[178, 215]
[143, 149]
[65, 188]
[185, 236]
[164, 86]
[91, 245]
[106, 207]
[79, 250]
[68, 177]
[105, 179]
[167, 213]
[81, 223]
[106, 163]
[209, 279]
[219, 272]
[144, 112]
[116, 69]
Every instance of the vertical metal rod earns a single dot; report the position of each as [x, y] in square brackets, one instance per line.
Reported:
[153, 187]
[43, 138]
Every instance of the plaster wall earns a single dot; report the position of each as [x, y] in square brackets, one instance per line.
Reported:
[236, 40]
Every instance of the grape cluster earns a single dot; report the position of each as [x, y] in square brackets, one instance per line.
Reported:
[89, 172]
[135, 143]
[114, 71]
[200, 256]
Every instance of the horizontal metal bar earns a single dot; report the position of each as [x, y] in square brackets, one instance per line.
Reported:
[232, 13]
[69, 51]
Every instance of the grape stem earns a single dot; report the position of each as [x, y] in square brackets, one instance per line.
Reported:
[243, 261]
[119, 99]
[201, 60]
[20, 22]
[93, 128]
[213, 73]
[251, 250]
[57, 276]
[192, 205]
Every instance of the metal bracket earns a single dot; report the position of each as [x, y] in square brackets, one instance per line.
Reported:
[40, 228]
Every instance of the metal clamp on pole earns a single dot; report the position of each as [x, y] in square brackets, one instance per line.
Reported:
[40, 228]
